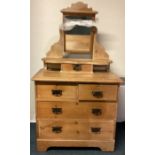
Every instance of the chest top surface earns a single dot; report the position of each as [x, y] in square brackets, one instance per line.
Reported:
[49, 76]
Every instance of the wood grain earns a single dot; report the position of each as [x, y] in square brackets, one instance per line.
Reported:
[109, 92]
[77, 61]
[47, 76]
[78, 43]
[79, 8]
[43, 144]
[70, 68]
[75, 110]
[44, 92]
[75, 129]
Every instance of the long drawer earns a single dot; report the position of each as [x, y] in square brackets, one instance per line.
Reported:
[51, 92]
[98, 92]
[73, 110]
[75, 130]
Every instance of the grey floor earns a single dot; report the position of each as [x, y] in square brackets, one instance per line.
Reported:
[119, 148]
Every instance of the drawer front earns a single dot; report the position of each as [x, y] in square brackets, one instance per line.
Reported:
[49, 92]
[77, 67]
[81, 110]
[75, 129]
[98, 92]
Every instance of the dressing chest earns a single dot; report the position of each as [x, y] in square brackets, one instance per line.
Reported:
[76, 94]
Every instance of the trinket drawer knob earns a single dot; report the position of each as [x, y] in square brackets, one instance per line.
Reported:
[57, 111]
[56, 92]
[97, 93]
[77, 67]
[96, 130]
[57, 129]
[97, 112]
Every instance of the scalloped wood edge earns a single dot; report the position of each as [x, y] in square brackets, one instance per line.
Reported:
[78, 7]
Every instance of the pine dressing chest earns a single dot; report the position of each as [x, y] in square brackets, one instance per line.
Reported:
[76, 94]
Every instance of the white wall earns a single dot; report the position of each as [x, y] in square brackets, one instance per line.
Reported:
[45, 21]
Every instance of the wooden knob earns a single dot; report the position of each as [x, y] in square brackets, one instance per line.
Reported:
[77, 67]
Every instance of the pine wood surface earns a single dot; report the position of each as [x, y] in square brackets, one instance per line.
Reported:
[44, 92]
[106, 77]
[78, 43]
[109, 92]
[104, 145]
[76, 118]
[76, 110]
[79, 8]
[77, 61]
[70, 68]
[76, 129]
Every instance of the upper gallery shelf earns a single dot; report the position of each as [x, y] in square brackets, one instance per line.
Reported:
[78, 40]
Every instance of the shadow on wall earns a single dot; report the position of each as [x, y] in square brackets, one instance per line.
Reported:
[107, 40]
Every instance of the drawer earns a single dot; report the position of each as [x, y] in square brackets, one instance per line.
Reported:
[76, 130]
[82, 110]
[77, 67]
[51, 92]
[98, 92]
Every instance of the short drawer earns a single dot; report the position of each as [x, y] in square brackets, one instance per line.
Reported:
[51, 92]
[81, 110]
[77, 67]
[98, 92]
[76, 130]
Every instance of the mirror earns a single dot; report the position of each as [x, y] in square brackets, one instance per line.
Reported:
[79, 39]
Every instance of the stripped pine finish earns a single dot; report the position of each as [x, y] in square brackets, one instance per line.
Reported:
[76, 98]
